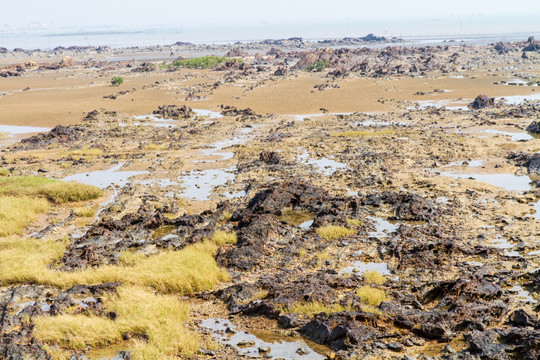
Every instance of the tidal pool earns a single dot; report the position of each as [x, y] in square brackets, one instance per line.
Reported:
[249, 345]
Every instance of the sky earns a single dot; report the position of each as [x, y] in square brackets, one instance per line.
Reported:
[229, 13]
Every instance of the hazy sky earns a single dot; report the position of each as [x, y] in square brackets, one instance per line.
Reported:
[130, 13]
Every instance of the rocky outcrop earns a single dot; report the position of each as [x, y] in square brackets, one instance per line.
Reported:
[482, 101]
[174, 112]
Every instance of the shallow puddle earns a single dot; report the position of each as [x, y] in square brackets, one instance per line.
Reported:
[207, 113]
[163, 231]
[44, 306]
[522, 294]
[105, 178]
[360, 267]
[380, 123]
[250, 345]
[447, 104]
[515, 136]
[199, 185]
[519, 99]
[382, 227]
[323, 165]
[472, 163]
[297, 217]
[12, 130]
[508, 182]
[303, 117]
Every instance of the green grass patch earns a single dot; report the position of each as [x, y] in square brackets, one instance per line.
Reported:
[203, 62]
[117, 80]
[317, 66]
[332, 232]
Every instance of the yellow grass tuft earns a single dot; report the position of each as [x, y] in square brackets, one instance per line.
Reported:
[361, 133]
[354, 222]
[371, 296]
[139, 311]
[84, 152]
[332, 232]
[315, 307]
[185, 272]
[4, 172]
[374, 277]
[221, 237]
[16, 213]
[86, 211]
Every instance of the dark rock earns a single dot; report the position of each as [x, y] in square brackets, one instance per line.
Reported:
[484, 344]
[534, 127]
[317, 331]
[532, 44]
[482, 101]
[521, 318]
[270, 157]
[174, 111]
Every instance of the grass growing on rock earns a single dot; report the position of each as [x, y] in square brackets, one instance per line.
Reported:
[374, 277]
[332, 232]
[315, 307]
[222, 237]
[371, 296]
[203, 62]
[139, 311]
[185, 272]
[147, 302]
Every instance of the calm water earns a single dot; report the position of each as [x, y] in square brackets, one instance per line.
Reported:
[469, 29]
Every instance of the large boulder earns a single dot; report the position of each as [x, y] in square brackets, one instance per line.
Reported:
[482, 101]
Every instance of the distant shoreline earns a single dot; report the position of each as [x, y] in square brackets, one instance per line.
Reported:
[122, 40]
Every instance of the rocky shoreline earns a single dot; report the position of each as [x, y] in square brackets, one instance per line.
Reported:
[409, 233]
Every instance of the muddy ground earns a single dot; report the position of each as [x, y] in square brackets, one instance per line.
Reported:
[440, 198]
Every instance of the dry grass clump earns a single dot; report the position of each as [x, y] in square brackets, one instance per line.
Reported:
[332, 232]
[361, 133]
[85, 211]
[159, 317]
[315, 307]
[222, 237]
[77, 154]
[56, 191]
[371, 296]
[4, 172]
[185, 272]
[374, 277]
[354, 222]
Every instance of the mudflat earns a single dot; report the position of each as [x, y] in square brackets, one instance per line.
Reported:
[275, 201]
